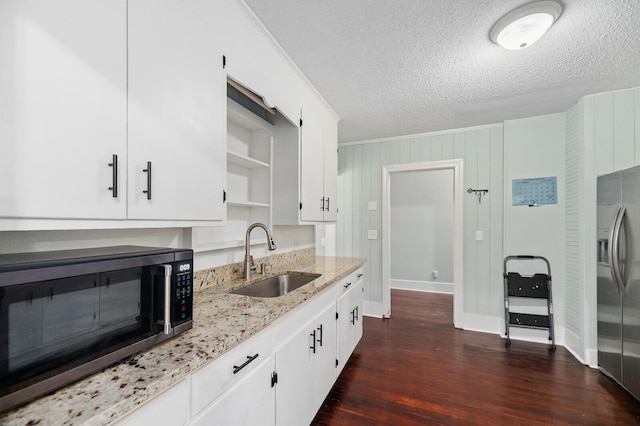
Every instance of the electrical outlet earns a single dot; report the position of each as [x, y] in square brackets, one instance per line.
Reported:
[372, 234]
[479, 236]
[323, 242]
[373, 205]
[434, 274]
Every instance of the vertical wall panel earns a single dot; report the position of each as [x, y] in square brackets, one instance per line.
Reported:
[367, 171]
[415, 150]
[459, 148]
[636, 107]
[497, 196]
[603, 133]
[340, 222]
[624, 129]
[375, 261]
[356, 198]
[425, 149]
[348, 200]
[573, 224]
[405, 151]
[484, 222]
[470, 254]
[447, 146]
[481, 152]
[436, 147]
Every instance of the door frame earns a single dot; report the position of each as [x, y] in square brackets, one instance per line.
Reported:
[458, 230]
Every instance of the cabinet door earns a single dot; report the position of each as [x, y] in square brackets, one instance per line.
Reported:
[349, 328]
[325, 360]
[249, 402]
[171, 407]
[330, 170]
[63, 108]
[177, 101]
[294, 360]
[312, 167]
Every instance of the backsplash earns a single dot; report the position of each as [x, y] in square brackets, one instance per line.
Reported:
[214, 276]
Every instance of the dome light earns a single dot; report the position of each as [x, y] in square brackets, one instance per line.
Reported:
[524, 26]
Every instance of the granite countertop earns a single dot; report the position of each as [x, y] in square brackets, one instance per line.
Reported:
[221, 322]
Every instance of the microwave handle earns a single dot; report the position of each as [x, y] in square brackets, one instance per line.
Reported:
[165, 272]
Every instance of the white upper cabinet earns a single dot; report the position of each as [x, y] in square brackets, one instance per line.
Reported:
[63, 108]
[319, 165]
[177, 96]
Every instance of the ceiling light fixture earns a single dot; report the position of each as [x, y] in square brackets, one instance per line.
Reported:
[525, 25]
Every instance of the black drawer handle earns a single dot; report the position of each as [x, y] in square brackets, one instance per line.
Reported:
[114, 176]
[360, 275]
[313, 335]
[320, 339]
[347, 285]
[148, 172]
[237, 368]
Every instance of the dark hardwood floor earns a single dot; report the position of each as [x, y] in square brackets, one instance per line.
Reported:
[416, 369]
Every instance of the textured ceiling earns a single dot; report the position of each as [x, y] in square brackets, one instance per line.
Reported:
[391, 68]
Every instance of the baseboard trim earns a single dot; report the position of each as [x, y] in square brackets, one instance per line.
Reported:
[424, 286]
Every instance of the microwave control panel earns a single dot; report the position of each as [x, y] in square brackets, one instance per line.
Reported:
[183, 291]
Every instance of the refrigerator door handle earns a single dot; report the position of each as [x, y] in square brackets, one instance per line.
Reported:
[614, 260]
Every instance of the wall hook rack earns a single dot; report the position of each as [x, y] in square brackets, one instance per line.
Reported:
[479, 193]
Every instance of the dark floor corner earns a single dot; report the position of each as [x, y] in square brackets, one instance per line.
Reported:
[416, 369]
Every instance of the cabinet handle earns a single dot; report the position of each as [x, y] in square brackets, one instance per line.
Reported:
[347, 285]
[353, 316]
[327, 209]
[320, 339]
[313, 335]
[322, 204]
[250, 358]
[357, 310]
[114, 176]
[360, 275]
[148, 172]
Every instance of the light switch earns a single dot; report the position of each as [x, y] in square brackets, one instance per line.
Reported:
[372, 234]
[479, 236]
[373, 205]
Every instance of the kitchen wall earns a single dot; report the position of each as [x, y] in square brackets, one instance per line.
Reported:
[603, 135]
[360, 180]
[421, 226]
[535, 147]
[287, 238]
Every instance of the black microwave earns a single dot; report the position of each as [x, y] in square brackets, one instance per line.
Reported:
[67, 314]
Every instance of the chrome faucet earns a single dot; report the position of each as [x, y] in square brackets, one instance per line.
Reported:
[248, 259]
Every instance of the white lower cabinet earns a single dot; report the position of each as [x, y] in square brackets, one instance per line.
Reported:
[279, 376]
[305, 366]
[171, 407]
[349, 306]
[249, 402]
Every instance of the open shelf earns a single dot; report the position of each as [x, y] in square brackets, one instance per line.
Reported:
[244, 161]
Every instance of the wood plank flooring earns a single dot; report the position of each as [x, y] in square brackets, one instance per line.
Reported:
[416, 369]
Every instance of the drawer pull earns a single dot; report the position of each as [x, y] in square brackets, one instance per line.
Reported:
[347, 285]
[313, 340]
[360, 275]
[237, 368]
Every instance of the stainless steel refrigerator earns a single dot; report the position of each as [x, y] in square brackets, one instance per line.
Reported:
[619, 277]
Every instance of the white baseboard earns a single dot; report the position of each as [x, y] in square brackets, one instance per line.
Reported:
[426, 286]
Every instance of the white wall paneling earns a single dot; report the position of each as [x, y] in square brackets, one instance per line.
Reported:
[602, 137]
[535, 147]
[360, 171]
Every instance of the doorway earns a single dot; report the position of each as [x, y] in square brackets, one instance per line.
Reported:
[449, 167]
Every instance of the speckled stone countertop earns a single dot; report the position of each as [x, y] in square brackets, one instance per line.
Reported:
[221, 321]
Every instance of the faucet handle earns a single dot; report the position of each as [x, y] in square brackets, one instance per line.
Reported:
[263, 268]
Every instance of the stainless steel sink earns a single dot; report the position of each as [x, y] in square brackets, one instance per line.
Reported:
[278, 285]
